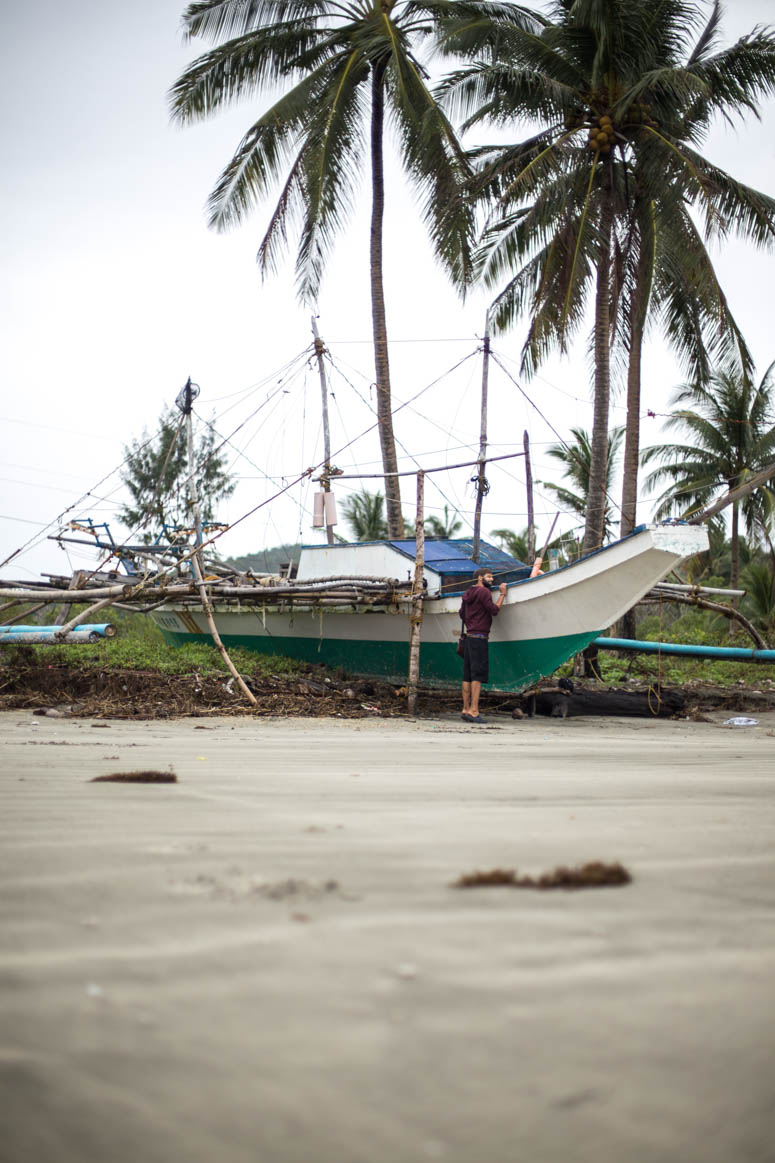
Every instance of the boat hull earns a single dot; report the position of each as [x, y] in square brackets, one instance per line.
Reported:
[543, 622]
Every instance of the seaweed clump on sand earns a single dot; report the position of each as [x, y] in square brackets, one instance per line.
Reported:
[595, 874]
[136, 777]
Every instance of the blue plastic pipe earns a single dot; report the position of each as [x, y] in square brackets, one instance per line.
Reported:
[722, 653]
[103, 629]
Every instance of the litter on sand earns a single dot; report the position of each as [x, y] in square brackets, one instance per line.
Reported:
[592, 875]
[741, 721]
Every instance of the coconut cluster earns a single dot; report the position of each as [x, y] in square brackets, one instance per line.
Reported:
[639, 113]
[602, 130]
[602, 134]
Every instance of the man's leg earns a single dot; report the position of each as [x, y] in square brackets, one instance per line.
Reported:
[473, 705]
[467, 698]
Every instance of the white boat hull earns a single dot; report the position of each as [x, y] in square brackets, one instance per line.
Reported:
[543, 622]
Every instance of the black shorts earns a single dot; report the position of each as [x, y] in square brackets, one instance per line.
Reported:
[476, 660]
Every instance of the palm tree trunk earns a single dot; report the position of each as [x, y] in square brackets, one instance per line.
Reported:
[395, 521]
[632, 432]
[631, 458]
[598, 466]
[735, 543]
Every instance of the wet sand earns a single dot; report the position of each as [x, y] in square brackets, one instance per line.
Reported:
[265, 962]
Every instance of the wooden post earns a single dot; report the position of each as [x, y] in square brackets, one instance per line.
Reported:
[196, 559]
[480, 486]
[325, 479]
[415, 609]
[534, 572]
[531, 527]
[76, 581]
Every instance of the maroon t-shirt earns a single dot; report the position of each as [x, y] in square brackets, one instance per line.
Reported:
[478, 609]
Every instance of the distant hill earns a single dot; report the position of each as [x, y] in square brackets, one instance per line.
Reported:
[266, 560]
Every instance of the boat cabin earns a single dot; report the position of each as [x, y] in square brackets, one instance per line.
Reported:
[449, 567]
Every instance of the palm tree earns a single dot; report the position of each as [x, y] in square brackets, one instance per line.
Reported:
[446, 528]
[513, 543]
[331, 71]
[365, 514]
[576, 459]
[622, 93]
[730, 428]
[759, 581]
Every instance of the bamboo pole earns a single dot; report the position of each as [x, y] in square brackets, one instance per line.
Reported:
[531, 528]
[481, 481]
[326, 479]
[415, 610]
[51, 596]
[734, 615]
[196, 560]
[62, 633]
[388, 592]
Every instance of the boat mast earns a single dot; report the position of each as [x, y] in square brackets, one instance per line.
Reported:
[531, 527]
[415, 609]
[481, 482]
[185, 402]
[325, 479]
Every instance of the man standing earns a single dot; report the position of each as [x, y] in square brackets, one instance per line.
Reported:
[477, 611]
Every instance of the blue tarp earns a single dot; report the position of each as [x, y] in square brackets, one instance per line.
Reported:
[453, 556]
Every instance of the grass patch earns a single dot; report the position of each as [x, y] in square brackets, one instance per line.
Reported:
[695, 627]
[140, 645]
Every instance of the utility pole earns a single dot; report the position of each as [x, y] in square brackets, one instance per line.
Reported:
[325, 479]
[481, 482]
[185, 402]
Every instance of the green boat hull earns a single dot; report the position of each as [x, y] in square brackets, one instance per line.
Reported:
[513, 665]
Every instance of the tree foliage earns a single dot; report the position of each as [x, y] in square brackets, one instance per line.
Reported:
[364, 512]
[512, 542]
[600, 198]
[730, 434]
[576, 458]
[449, 526]
[156, 475]
[330, 73]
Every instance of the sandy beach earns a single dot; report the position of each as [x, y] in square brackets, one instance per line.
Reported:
[266, 962]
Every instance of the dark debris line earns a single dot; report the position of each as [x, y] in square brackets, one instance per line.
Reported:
[595, 874]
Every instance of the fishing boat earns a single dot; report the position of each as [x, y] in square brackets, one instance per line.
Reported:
[359, 618]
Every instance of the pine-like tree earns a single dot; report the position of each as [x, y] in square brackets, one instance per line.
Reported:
[156, 475]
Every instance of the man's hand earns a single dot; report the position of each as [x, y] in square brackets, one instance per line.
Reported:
[504, 589]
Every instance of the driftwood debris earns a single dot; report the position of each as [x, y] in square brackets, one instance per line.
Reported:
[595, 874]
[559, 702]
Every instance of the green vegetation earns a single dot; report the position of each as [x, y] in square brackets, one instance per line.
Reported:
[731, 436]
[598, 201]
[575, 456]
[364, 512]
[156, 475]
[140, 645]
[266, 560]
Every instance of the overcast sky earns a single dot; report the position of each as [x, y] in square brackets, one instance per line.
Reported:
[114, 291]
